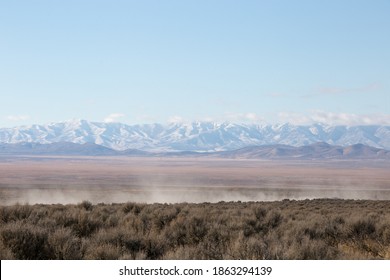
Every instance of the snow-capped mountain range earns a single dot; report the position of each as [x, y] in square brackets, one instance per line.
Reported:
[195, 136]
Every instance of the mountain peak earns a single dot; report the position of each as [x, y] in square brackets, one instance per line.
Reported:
[196, 136]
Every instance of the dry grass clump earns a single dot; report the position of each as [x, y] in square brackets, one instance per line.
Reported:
[308, 229]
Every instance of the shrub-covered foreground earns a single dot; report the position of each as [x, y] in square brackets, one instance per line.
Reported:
[309, 229]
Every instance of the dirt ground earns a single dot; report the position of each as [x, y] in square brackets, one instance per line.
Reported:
[121, 179]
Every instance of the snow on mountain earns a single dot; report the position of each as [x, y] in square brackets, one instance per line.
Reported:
[196, 136]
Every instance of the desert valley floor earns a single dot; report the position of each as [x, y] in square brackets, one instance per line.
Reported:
[122, 179]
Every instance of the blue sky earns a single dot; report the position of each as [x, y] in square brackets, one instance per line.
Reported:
[160, 61]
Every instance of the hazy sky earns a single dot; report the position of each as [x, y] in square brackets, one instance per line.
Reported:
[158, 61]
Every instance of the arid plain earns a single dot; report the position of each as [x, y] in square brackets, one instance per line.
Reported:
[171, 208]
[177, 179]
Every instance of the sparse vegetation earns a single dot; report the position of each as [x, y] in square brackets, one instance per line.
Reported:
[307, 229]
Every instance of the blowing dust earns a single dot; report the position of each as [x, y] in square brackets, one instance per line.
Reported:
[68, 181]
[164, 194]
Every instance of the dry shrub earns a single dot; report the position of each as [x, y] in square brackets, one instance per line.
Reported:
[183, 253]
[162, 217]
[176, 234]
[308, 249]
[262, 222]
[86, 205]
[251, 248]
[86, 224]
[26, 241]
[308, 229]
[384, 233]
[15, 213]
[5, 253]
[65, 245]
[215, 243]
[103, 252]
[196, 229]
[362, 228]
[154, 248]
[128, 241]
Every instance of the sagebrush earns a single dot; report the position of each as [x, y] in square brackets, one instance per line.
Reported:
[307, 229]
